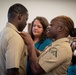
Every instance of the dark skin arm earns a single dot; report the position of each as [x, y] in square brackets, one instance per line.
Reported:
[33, 54]
[38, 52]
[12, 71]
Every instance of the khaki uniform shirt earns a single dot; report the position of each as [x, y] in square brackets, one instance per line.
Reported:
[56, 58]
[13, 51]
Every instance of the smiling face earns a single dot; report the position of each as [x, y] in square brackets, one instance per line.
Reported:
[37, 28]
[53, 30]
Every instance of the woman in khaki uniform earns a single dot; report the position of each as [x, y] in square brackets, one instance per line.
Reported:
[56, 58]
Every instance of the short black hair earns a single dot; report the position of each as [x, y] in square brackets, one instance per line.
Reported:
[16, 9]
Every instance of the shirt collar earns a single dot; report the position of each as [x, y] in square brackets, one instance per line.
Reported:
[12, 26]
[61, 40]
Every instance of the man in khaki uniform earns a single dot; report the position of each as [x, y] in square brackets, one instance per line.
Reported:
[53, 59]
[56, 58]
[13, 52]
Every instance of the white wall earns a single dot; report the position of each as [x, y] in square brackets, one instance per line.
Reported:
[46, 8]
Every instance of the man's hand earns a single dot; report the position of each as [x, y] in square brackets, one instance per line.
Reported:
[27, 38]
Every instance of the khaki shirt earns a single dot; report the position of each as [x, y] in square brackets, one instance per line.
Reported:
[13, 51]
[56, 58]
